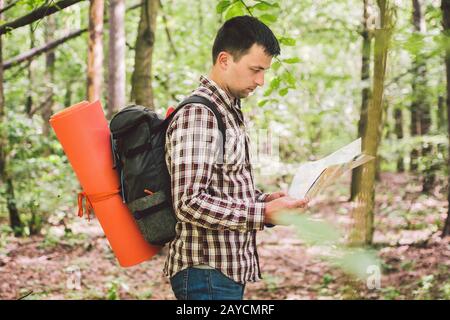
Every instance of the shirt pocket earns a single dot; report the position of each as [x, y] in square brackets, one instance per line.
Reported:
[235, 144]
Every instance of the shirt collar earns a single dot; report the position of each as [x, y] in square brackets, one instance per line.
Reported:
[225, 96]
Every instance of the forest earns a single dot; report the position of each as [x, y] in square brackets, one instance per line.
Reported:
[378, 70]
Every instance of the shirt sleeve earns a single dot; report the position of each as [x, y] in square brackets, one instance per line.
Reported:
[192, 146]
[261, 196]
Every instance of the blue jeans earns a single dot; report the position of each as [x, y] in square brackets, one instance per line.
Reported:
[205, 284]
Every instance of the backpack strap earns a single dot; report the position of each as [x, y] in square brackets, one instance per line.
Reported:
[210, 105]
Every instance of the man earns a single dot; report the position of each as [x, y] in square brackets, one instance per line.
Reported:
[218, 208]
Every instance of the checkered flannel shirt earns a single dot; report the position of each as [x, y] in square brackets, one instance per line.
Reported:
[217, 205]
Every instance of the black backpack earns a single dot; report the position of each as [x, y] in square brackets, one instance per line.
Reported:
[138, 147]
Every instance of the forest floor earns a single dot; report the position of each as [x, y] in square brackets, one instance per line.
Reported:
[415, 259]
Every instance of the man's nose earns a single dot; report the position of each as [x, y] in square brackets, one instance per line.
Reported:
[260, 79]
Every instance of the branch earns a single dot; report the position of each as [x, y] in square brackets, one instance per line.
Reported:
[37, 14]
[247, 8]
[42, 49]
[9, 6]
[51, 45]
[41, 106]
[18, 72]
[409, 71]
[166, 87]
[166, 27]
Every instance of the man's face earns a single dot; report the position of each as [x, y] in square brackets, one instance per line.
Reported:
[245, 75]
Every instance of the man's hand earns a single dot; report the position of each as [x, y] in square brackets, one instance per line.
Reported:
[280, 204]
[275, 195]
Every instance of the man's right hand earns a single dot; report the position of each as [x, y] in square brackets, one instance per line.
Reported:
[277, 206]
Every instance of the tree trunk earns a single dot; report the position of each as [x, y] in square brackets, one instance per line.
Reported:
[441, 116]
[365, 79]
[116, 73]
[420, 109]
[68, 95]
[47, 109]
[398, 116]
[363, 213]
[29, 98]
[445, 6]
[95, 50]
[418, 71]
[14, 218]
[141, 85]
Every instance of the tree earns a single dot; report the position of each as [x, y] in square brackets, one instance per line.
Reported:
[398, 118]
[420, 107]
[116, 69]
[363, 213]
[365, 79]
[445, 7]
[14, 218]
[47, 108]
[95, 50]
[141, 85]
[29, 99]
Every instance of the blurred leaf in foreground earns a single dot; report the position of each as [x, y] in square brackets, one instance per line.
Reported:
[358, 262]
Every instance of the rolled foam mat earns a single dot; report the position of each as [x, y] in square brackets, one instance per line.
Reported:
[83, 132]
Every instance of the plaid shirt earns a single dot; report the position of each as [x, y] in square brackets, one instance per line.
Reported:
[217, 205]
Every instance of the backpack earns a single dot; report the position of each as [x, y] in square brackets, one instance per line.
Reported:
[138, 147]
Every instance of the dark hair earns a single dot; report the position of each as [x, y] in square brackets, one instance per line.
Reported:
[238, 35]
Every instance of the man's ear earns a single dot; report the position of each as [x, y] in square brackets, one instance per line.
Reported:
[223, 60]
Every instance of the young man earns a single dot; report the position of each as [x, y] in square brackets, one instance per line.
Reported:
[218, 208]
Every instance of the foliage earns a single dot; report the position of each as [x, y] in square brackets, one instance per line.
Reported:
[322, 234]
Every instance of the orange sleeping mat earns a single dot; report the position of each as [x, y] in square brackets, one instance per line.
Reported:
[83, 132]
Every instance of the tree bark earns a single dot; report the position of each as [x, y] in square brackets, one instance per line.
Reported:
[14, 217]
[445, 7]
[47, 109]
[37, 14]
[420, 106]
[95, 50]
[366, 93]
[441, 113]
[116, 74]
[141, 85]
[420, 100]
[398, 116]
[29, 98]
[363, 213]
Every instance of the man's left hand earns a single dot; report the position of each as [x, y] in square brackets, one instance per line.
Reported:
[275, 195]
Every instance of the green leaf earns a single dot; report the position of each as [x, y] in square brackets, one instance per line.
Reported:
[222, 6]
[276, 65]
[287, 41]
[311, 231]
[236, 9]
[272, 5]
[283, 92]
[275, 83]
[290, 79]
[268, 18]
[263, 102]
[263, 6]
[292, 60]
